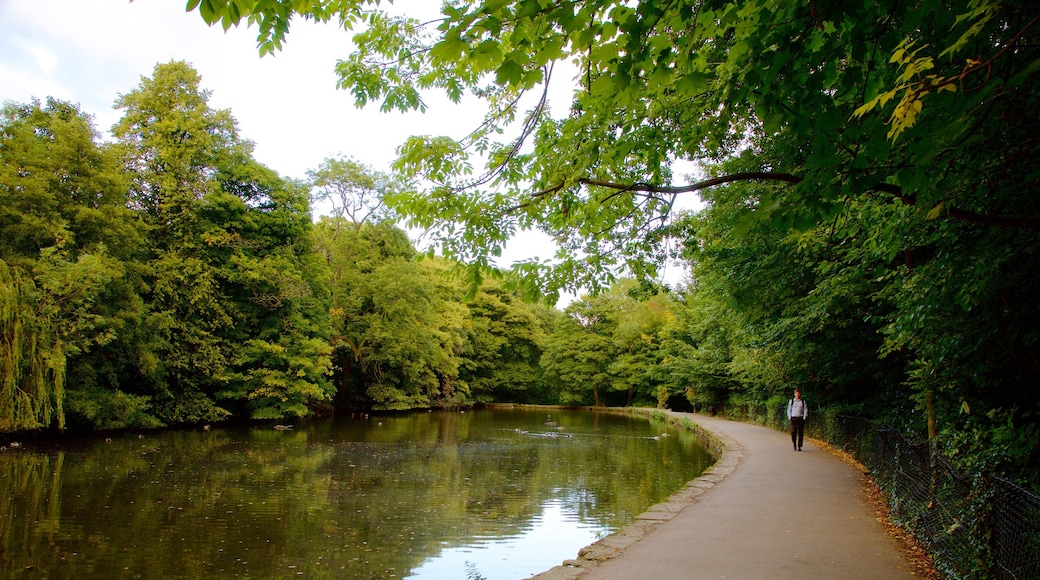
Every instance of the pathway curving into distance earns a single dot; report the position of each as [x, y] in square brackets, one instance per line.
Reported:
[763, 511]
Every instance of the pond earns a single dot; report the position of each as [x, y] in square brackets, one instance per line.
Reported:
[500, 493]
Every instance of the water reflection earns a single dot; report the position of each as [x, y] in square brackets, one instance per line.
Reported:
[418, 496]
[534, 549]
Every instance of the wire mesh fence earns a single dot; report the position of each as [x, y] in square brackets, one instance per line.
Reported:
[975, 526]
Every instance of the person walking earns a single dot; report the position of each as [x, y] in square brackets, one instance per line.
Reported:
[797, 413]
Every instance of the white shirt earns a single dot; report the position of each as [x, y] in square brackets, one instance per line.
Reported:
[797, 408]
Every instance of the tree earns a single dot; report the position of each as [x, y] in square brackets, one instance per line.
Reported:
[579, 352]
[825, 111]
[699, 81]
[772, 310]
[60, 188]
[171, 143]
[505, 341]
[641, 323]
[397, 330]
[698, 351]
[67, 253]
[353, 190]
[263, 250]
[236, 308]
[32, 369]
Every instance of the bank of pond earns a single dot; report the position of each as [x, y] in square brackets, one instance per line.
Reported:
[500, 493]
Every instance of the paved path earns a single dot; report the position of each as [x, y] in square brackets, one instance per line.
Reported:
[764, 511]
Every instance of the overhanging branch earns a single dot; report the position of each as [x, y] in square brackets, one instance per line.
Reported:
[893, 190]
[896, 191]
[648, 188]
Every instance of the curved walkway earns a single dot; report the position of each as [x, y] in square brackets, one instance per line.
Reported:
[763, 511]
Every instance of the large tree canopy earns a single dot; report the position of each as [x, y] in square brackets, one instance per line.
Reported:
[880, 155]
[927, 103]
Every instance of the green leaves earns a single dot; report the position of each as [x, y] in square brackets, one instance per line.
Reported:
[353, 190]
[486, 54]
[979, 15]
[32, 368]
[207, 9]
[909, 171]
[64, 296]
[910, 85]
[235, 306]
[510, 72]
[450, 47]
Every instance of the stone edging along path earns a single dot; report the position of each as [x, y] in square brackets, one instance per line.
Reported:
[729, 455]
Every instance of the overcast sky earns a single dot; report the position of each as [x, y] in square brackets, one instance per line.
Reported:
[91, 51]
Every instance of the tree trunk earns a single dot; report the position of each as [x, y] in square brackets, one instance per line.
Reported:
[929, 404]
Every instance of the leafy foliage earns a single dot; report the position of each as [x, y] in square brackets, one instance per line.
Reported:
[354, 191]
[144, 277]
[396, 335]
[610, 345]
[870, 234]
[169, 278]
[503, 347]
[886, 148]
[230, 298]
[65, 236]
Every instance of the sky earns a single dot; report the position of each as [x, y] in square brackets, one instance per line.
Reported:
[91, 51]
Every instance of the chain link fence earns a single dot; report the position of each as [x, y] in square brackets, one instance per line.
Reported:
[975, 526]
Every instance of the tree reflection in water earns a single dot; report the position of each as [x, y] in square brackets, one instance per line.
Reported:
[418, 495]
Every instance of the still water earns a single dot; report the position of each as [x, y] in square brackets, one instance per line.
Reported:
[499, 494]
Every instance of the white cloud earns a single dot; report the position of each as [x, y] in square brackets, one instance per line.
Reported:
[44, 59]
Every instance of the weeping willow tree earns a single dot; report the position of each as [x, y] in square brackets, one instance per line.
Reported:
[32, 359]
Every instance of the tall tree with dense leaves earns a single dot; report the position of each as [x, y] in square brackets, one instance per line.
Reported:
[505, 341]
[69, 293]
[773, 310]
[235, 306]
[397, 330]
[60, 187]
[259, 237]
[579, 351]
[698, 349]
[171, 143]
[641, 320]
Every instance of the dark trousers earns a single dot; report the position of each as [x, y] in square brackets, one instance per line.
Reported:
[797, 431]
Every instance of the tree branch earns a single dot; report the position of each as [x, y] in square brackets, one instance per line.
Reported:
[648, 188]
[1030, 223]
[894, 190]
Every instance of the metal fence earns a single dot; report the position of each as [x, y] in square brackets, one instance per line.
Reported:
[975, 526]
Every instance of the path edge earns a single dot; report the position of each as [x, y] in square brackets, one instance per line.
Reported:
[729, 455]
